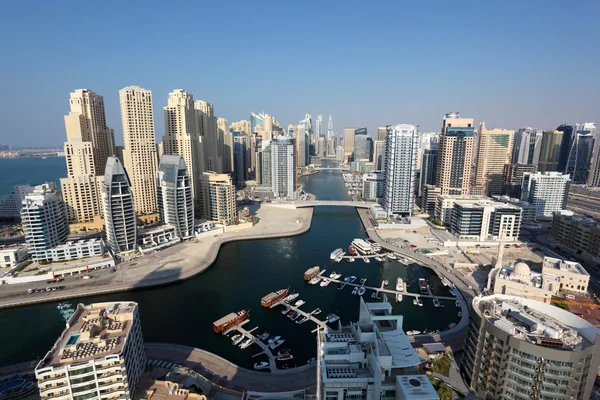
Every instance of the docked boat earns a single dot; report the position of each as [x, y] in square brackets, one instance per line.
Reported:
[315, 280]
[362, 290]
[261, 365]
[302, 320]
[386, 282]
[264, 336]
[379, 259]
[452, 292]
[445, 281]
[338, 259]
[391, 256]
[246, 343]
[236, 339]
[299, 303]
[398, 297]
[410, 333]
[351, 279]
[337, 253]
[275, 297]
[276, 344]
[285, 357]
[355, 291]
[325, 282]
[331, 318]
[400, 285]
[274, 339]
[366, 259]
[311, 273]
[346, 279]
[418, 302]
[363, 281]
[436, 303]
[459, 314]
[375, 246]
[457, 304]
[316, 311]
[423, 286]
[335, 275]
[362, 246]
[230, 320]
[298, 315]
[311, 361]
[291, 297]
[293, 315]
[351, 259]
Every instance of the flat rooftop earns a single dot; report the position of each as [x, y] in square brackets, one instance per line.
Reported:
[93, 331]
[58, 266]
[564, 266]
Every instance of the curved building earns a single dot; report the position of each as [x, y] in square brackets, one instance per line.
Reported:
[517, 348]
[174, 189]
[119, 208]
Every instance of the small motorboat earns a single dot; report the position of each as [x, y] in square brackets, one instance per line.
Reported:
[363, 281]
[311, 361]
[274, 339]
[299, 303]
[298, 315]
[410, 333]
[316, 311]
[346, 279]
[452, 293]
[445, 282]
[335, 275]
[291, 297]
[355, 291]
[282, 352]
[436, 303]
[315, 280]
[379, 259]
[325, 282]
[351, 279]
[398, 297]
[457, 304]
[285, 357]
[362, 290]
[459, 314]
[418, 302]
[302, 320]
[290, 314]
[276, 344]
[261, 365]
[293, 316]
[246, 343]
[386, 282]
[236, 339]
[366, 259]
[331, 318]
[264, 336]
[351, 259]
[391, 256]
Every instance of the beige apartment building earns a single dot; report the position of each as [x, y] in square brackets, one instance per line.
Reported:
[140, 152]
[212, 143]
[348, 142]
[456, 155]
[89, 144]
[227, 145]
[494, 152]
[182, 135]
[241, 126]
[218, 198]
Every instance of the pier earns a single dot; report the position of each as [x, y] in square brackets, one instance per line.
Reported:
[394, 292]
[311, 317]
[265, 347]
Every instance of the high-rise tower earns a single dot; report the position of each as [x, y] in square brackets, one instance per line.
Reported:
[319, 126]
[400, 169]
[140, 154]
[174, 192]
[494, 152]
[330, 131]
[212, 143]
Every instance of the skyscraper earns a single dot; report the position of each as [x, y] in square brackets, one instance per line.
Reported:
[379, 154]
[218, 198]
[302, 145]
[547, 191]
[174, 192]
[283, 165]
[44, 220]
[182, 134]
[594, 174]
[381, 133]
[319, 127]
[425, 139]
[550, 151]
[493, 154]
[513, 178]
[456, 154]
[89, 143]
[400, 169]
[139, 155]
[348, 143]
[580, 156]
[330, 131]
[239, 157]
[568, 136]
[227, 145]
[119, 209]
[362, 148]
[212, 143]
[526, 148]
[428, 164]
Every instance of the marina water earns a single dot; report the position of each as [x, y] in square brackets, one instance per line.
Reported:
[245, 271]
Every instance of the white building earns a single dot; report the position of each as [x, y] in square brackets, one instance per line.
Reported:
[174, 192]
[157, 238]
[371, 359]
[212, 142]
[218, 198]
[11, 205]
[73, 250]
[400, 169]
[283, 165]
[547, 191]
[485, 220]
[44, 220]
[119, 209]
[372, 186]
[99, 355]
[11, 257]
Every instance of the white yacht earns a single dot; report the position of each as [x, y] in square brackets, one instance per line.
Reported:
[400, 285]
[362, 290]
[337, 253]
[351, 260]
[366, 260]
[391, 256]
[436, 303]
[355, 291]
[445, 282]
[291, 297]
[325, 282]
[261, 365]
[398, 297]
[362, 246]
[335, 275]
[299, 303]
[331, 318]
[315, 280]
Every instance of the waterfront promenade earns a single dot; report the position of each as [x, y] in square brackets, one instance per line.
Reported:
[173, 264]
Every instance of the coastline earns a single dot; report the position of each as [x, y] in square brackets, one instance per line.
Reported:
[277, 230]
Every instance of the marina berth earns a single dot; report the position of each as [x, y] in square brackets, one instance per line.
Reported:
[230, 320]
[274, 297]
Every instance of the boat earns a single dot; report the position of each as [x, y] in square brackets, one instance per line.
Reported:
[331, 318]
[285, 357]
[436, 303]
[445, 282]
[293, 315]
[299, 303]
[378, 259]
[410, 333]
[460, 314]
[362, 290]
[261, 365]
[362, 246]
[291, 297]
[273, 298]
[236, 339]
[346, 279]
[230, 320]
[351, 279]
[340, 258]
[325, 282]
[418, 302]
[285, 310]
[302, 320]
[246, 343]
[355, 291]
[311, 361]
[398, 297]
[423, 286]
[352, 250]
[276, 344]
[290, 314]
[316, 311]
[386, 282]
[400, 285]
[363, 281]
[315, 280]
[311, 273]
[43, 158]
[298, 315]
[335, 275]
[391, 256]
[274, 339]
[337, 253]
[264, 336]
[366, 259]
[457, 304]
[452, 293]
[351, 259]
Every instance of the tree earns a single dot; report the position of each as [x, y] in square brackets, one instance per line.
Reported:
[444, 392]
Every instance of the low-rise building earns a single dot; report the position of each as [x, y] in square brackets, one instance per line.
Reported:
[73, 250]
[572, 276]
[13, 256]
[529, 213]
[157, 238]
[577, 233]
[517, 348]
[377, 212]
[518, 280]
[371, 359]
[99, 355]
[547, 191]
[429, 199]
[11, 205]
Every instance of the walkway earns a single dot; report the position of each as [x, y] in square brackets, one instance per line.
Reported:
[265, 349]
[394, 292]
[310, 315]
[316, 203]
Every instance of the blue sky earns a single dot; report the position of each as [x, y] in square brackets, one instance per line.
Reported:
[368, 63]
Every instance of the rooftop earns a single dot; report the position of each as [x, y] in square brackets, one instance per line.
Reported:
[416, 387]
[93, 331]
[564, 266]
[535, 322]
